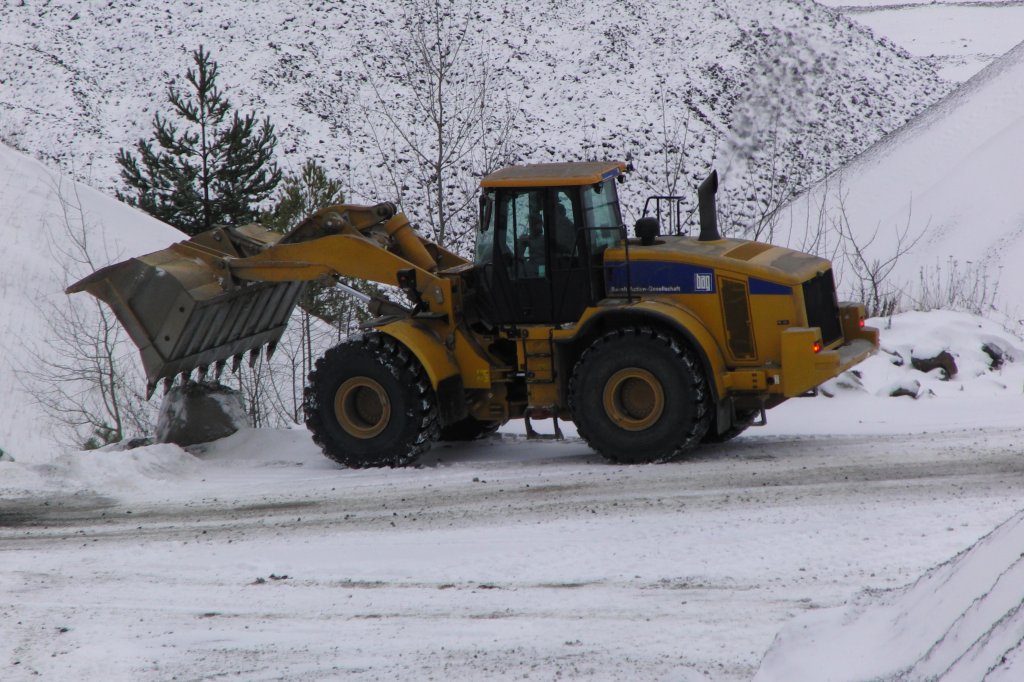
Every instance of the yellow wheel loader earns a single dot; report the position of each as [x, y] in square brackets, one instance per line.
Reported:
[651, 345]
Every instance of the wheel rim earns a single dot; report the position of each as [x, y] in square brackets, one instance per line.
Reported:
[362, 407]
[634, 399]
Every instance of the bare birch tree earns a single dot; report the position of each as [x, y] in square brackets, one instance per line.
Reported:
[437, 115]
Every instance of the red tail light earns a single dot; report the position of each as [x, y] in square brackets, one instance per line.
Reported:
[816, 346]
[862, 323]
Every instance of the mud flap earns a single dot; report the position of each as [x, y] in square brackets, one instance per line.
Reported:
[451, 400]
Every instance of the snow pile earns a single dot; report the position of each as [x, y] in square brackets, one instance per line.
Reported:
[960, 622]
[946, 186]
[236, 465]
[110, 471]
[981, 352]
[862, 400]
[38, 209]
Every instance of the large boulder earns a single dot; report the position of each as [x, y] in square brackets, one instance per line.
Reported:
[199, 412]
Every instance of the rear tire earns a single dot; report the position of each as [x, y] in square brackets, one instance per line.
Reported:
[369, 404]
[639, 395]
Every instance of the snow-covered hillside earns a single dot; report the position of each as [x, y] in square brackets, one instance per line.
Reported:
[797, 86]
[948, 183]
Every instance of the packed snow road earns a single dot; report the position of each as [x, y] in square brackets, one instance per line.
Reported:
[505, 559]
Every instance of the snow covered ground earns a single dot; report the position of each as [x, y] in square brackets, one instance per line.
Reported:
[504, 559]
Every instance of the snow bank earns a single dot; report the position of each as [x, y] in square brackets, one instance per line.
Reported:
[962, 621]
[918, 336]
[859, 401]
[108, 471]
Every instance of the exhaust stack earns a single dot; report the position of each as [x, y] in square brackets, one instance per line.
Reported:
[708, 209]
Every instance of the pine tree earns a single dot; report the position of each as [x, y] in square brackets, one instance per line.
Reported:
[211, 167]
[298, 197]
[302, 194]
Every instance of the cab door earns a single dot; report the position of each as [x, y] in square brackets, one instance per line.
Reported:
[568, 262]
[517, 269]
[541, 251]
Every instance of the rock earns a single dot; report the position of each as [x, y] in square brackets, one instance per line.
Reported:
[894, 357]
[132, 443]
[5, 457]
[195, 412]
[910, 388]
[997, 356]
[847, 381]
[943, 361]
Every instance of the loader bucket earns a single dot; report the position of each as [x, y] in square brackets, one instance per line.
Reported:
[183, 313]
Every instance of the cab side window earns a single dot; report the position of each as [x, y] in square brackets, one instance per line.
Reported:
[566, 229]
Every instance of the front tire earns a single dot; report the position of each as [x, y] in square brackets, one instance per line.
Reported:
[369, 404]
[639, 395]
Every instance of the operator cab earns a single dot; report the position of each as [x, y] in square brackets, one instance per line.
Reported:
[543, 232]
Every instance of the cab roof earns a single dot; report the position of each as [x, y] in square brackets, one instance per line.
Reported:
[554, 174]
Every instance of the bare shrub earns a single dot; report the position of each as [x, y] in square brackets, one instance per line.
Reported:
[965, 286]
[85, 375]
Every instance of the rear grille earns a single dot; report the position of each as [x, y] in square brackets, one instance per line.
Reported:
[822, 307]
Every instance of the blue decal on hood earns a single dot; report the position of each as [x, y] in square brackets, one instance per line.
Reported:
[659, 277]
[760, 286]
